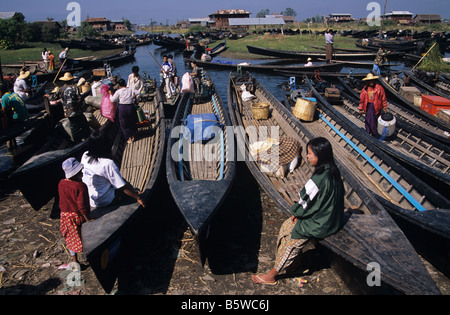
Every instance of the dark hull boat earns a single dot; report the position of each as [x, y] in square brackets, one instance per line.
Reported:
[401, 46]
[89, 44]
[370, 234]
[172, 44]
[427, 88]
[218, 49]
[300, 74]
[315, 55]
[113, 60]
[200, 172]
[421, 211]
[38, 178]
[140, 164]
[334, 67]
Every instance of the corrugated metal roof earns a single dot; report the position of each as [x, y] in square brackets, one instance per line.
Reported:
[399, 13]
[340, 14]
[257, 21]
[205, 19]
[6, 15]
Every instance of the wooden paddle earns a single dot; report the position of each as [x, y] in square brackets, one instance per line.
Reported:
[60, 68]
[424, 56]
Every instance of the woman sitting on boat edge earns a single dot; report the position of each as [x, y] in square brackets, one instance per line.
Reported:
[318, 214]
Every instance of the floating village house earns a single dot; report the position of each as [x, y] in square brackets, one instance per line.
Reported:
[399, 16]
[222, 17]
[99, 24]
[102, 24]
[428, 18]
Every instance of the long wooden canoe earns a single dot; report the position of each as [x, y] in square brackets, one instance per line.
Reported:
[370, 235]
[428, 89]
[113, 60]
[140, 164]
[411, 147]
[421, 210]
[315, 55]
[264, 68]
[200, 172]
[300, 74]
[220, 48]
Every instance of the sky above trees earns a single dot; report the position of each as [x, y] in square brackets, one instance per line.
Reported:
[142, 11]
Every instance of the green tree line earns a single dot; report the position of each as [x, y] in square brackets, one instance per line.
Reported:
[16, 30]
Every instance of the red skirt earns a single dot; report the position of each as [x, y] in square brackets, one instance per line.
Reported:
[70, 227]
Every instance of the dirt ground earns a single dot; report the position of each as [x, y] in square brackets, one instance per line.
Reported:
[162, 254]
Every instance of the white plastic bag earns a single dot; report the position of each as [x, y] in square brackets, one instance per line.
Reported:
[187, 83]
[246, 95]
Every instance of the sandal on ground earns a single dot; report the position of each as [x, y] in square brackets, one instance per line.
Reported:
[261, 281]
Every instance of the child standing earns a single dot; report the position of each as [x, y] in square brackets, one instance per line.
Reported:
[74, 204]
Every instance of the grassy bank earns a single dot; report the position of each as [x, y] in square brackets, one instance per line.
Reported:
[238, 48]
[32, 52]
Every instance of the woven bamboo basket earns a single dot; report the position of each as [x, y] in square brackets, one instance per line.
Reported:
[261, 111]
[304, 109]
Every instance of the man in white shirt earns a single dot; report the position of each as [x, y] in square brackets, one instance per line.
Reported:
[167, 73]
[20, 86]
[135, 80]
[63, 59]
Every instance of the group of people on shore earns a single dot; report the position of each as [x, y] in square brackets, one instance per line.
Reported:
[49, 59]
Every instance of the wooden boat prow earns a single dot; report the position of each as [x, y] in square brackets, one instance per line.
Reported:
[200, 175]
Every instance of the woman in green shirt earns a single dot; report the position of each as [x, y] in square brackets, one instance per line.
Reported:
[319, 212]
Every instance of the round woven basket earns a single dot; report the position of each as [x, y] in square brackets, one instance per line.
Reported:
[261, 111]
[304, 109]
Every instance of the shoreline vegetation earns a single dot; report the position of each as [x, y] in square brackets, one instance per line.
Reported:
[237, 49]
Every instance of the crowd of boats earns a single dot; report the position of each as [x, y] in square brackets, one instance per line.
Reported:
[396, 187]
